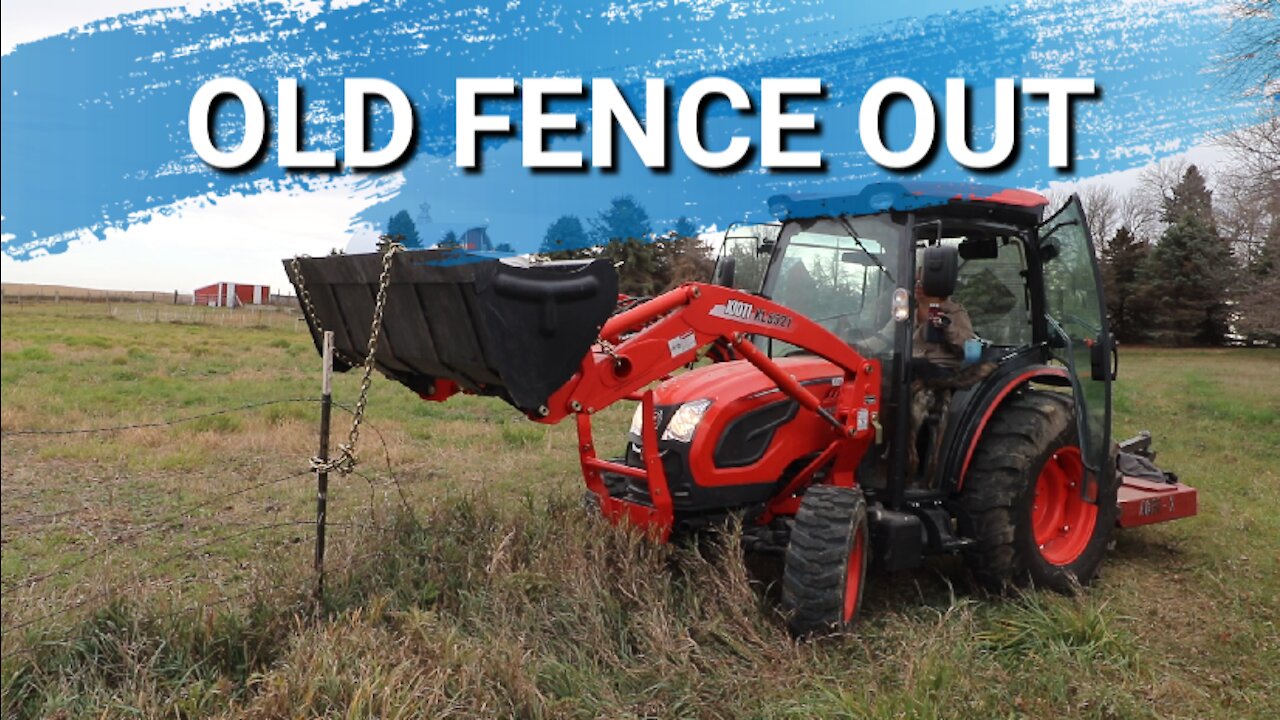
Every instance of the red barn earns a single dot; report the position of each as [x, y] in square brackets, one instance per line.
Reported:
[229, 294]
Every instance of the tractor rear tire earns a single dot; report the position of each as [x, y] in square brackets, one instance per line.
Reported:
[826, 561]
[1021, 500]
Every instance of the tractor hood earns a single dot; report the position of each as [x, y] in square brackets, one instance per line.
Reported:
[728, 381]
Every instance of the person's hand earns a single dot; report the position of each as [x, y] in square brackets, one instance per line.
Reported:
[924, 303]
[938, 318]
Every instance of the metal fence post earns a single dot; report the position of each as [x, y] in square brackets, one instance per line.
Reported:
[322, 475]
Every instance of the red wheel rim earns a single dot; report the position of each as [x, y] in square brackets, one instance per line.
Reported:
[853, 578]
[1061, 519]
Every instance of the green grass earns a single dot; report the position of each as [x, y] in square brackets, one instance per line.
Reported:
[474, 586]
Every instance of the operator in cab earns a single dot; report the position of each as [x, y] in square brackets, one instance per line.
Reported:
[941, 330]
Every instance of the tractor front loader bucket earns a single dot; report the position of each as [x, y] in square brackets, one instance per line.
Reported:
[505, 327]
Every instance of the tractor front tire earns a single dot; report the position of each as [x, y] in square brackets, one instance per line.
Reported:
[1021, 501]
[826, 561]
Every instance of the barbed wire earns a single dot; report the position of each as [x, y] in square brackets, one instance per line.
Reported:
[180, 514]
[144, 529]
[386, 455]
[130, 537]
[159, 423]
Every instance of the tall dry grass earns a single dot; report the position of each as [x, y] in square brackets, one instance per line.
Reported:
[475, 609]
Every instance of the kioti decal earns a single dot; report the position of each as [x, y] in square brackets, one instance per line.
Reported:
[746, 312]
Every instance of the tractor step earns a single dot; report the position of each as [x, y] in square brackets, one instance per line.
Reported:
[938, 527]
[1144, 502]
[503, 327]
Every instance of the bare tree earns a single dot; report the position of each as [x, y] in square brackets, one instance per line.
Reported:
[1134, 214]
[1057, 198]
[1249, 217]
[1247, 210]
[1101, 205]
[1255, 150]
[1251, 64]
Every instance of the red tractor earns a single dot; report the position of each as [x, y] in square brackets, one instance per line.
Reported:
[811, 426]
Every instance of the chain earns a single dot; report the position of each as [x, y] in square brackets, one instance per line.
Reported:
[608, 348]
[307, 308]
[346, 460]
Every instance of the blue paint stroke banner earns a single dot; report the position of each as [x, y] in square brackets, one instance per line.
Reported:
[95, 136]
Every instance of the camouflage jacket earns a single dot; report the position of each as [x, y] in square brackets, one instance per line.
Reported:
[950, 352]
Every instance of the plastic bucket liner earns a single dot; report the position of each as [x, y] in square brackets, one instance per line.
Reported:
[501, 327]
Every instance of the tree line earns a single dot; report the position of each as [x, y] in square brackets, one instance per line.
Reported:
[648, 262]
[1182, 263]
[1186, 264]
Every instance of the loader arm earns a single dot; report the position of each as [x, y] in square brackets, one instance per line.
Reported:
[652, 340]
[656, 338]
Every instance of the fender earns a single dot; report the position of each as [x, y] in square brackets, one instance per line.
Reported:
[971, 412]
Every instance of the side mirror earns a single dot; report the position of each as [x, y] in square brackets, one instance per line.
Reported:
[939, 270]
[1104, 361]
[725, 270]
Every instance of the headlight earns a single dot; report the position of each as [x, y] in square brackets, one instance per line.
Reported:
[685, 421]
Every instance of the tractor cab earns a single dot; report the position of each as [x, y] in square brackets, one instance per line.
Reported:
[857, 264]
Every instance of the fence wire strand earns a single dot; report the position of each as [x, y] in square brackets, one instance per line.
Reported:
[141, 530]
[158, 423]
[130, 537]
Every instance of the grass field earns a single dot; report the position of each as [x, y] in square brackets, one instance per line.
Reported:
[166, 571]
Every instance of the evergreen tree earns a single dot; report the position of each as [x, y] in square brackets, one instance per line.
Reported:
[687, 257]
[624, 219]
[1191, 196]
[566, 239]
[684, 228]
[625, 234]
[1122, 261]
[400, 227]
[1186, 275]
[639, 273]
[449, 241]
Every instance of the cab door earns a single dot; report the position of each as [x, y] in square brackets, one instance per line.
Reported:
[744, 256]
[1078, 334]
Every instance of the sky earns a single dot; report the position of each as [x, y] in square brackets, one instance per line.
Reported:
[203, 243]
[240, 231]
